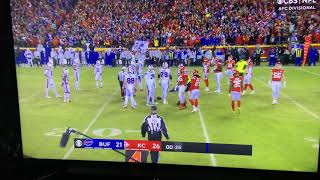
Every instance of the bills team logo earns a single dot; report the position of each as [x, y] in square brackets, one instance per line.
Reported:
[88, 142]
[78, 143]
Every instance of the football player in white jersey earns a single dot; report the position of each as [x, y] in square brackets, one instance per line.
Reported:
[65, 84]
[165, 76]
[140, 73]
[129, 87]
[49, 80]
[76, 71]
[29, 56]
[98, 74]
[151, 85]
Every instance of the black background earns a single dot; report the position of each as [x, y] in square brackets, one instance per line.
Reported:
[13, 165]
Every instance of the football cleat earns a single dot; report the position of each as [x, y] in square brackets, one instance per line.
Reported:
[165, 102]
[48, 97]
[58, 96]
[238, 110]
[207, 89]
[148, 104]
[124, 106]
[133, 107]
[274, 101]
[252, 92]
[194, 109]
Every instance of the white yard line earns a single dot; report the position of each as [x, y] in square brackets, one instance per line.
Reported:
[28, 97]
[205, 133]
[92, 122]
[305, 109]
[304, 70]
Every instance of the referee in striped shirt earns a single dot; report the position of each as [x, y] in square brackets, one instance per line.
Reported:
[155, 126]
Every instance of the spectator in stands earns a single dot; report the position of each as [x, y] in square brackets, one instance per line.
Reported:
[186, 22]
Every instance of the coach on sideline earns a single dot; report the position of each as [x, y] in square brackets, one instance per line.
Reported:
[155, 126]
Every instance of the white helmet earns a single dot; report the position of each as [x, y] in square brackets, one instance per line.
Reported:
[76, 60]
[98, 62]
[130, 70]
[64, 61]
[65, 70]
[49, 64]
[165, 65]
[123, 68]
[150, 68]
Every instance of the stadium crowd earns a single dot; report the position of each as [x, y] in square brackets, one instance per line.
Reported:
[162, 22]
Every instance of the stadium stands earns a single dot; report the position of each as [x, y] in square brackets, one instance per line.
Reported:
[163, 22]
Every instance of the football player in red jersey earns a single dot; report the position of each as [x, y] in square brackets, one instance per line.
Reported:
[235, 89]
[182, 84]
[206, 70]
[248, 77]
[218, 74]
[230, 67]
[277, 76]
[195, 90]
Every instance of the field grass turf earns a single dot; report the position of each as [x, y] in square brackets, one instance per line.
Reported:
[283, 136]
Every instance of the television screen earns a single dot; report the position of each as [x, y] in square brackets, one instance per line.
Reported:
[203, 83]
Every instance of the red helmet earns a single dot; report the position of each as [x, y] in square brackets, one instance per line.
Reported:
[278, 65]
[181, 69]
[235, 73]
[194, 72]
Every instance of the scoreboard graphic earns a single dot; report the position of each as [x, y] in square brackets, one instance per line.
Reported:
[168, 146]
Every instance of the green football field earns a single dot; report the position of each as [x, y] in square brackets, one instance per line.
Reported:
[283, 136]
